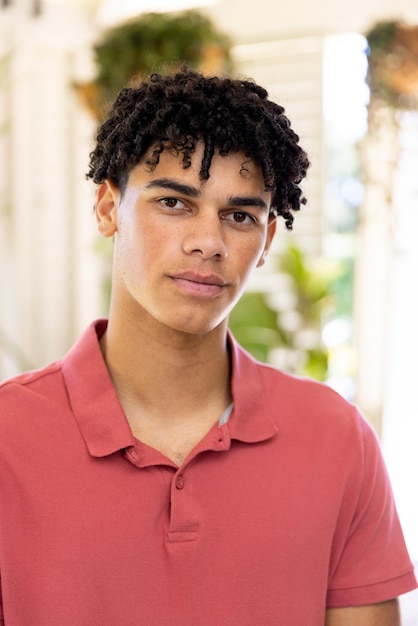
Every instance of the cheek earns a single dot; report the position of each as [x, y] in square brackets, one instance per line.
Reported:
[142, 246]
[129, 250]
[251, 253]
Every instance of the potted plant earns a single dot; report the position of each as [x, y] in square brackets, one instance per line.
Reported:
[153, 42]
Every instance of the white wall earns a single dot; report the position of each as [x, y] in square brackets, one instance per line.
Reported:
[49, 280]
[271, 19]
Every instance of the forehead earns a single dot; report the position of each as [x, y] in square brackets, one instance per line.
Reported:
[228, 170]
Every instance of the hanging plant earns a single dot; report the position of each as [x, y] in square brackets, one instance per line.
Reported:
[154, 42]
[393, 64]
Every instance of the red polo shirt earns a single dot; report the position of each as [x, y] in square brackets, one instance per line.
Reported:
[276, 514]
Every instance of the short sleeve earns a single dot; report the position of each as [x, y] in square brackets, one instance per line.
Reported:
[370, 562]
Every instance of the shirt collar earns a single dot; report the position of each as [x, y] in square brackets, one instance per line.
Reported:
[92, 396]
[100, 416]
[251, 420]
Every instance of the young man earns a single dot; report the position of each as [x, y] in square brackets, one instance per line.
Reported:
[157, 474]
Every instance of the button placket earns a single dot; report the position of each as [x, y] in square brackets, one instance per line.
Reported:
[184, 524]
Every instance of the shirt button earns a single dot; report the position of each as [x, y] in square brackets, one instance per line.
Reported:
[180, 481]
[132, 455]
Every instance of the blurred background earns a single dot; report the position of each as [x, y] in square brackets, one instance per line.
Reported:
[336, 299]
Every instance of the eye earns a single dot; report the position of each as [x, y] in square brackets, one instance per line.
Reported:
[172, 203]
[240, 217]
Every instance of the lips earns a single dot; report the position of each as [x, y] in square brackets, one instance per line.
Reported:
[204, 279]
[199, 284]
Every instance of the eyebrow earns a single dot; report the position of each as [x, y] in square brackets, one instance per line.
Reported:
[187, 190]
[173, 185]
[254, 201]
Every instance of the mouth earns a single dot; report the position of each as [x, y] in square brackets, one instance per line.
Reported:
[199, 284]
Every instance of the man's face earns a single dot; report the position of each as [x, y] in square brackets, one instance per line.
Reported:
[184, 249]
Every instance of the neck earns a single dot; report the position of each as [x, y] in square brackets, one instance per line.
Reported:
[166, 374]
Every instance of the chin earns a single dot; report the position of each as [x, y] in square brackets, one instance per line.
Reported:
[193, 327]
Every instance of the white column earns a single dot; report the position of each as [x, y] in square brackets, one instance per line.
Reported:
[54, 269]
[374, 264]
[400, 408]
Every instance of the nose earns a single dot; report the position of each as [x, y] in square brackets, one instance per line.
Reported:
[205, 237]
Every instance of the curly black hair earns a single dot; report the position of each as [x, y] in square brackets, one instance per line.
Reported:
[180, 109]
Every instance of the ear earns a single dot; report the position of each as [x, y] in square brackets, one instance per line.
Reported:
[271, 229]
[107, 202]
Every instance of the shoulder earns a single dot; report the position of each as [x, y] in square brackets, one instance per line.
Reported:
[283, 390]
[249, 371]
[30, 381]
[304, 395]
[49, 383]
[302, 408]
[32, 408]
[22, 395]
